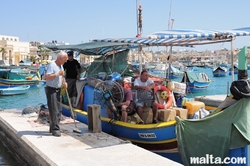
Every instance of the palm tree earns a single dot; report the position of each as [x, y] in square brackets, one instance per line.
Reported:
[33, 59]
[45, 54]
[3, 51]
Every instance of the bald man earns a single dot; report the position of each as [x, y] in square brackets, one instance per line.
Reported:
[54, 81]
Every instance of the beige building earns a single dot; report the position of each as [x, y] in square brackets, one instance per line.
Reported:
[15, 50]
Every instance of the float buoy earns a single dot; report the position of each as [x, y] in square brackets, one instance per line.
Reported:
[169, 98]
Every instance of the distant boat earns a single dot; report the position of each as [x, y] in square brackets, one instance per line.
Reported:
[195, 81]
[15, 76]
[17, 90]
[174, 72]
[224, 65]
[220, 71]
[235, 70]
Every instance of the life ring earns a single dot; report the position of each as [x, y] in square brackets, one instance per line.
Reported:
[169, 99]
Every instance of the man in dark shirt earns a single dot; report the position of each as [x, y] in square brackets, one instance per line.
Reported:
[72, 68]
[126, 103]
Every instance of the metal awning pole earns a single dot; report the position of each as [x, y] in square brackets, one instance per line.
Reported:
[113, 59]
[166, 62]
[169, 63]
[140, 58]
[232, 59]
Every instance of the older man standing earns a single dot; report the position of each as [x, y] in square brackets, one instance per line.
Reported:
[54, 81]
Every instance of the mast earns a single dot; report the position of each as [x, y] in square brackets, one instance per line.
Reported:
[139, 30]
[167, 58]
[170, 52]
[169, 16]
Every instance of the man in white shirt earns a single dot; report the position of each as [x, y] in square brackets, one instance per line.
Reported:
[146, 84]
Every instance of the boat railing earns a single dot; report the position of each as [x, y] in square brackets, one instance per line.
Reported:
[144, 96]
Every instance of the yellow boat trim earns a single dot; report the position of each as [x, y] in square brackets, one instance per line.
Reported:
[175, 150]
[151, 142]
[129, 125]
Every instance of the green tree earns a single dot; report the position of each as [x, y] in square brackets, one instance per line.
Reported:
[33, 58]
[44, 53]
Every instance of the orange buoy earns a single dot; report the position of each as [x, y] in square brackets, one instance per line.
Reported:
[169, 99]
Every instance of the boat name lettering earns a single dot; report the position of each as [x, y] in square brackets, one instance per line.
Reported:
[147, 135]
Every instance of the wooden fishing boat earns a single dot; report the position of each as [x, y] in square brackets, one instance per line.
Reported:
[160, 137]
[220, 72]
[235, 70]
[174, 72]
[195, 81]
[149, 136]
[12, 76]
[14, 90]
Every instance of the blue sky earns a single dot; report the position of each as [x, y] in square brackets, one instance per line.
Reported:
[77, 21]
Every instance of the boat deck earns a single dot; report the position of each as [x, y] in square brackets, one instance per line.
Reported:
[212, 101]
[36, 146]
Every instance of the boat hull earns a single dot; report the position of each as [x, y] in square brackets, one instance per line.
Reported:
[220, 72]
[196, 86]
[241, 152]
[235, 70]
[195, 82]
[13, 83]
[160, 136]
[14, 90]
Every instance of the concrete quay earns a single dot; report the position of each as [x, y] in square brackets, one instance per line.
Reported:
[211, 100]
[34, 145]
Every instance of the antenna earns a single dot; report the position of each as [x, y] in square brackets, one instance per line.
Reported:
[139, 18]
[169, 16]
[137, 13]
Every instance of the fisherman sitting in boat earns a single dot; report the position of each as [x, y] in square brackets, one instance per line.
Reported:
[127, 104]
[145, 84]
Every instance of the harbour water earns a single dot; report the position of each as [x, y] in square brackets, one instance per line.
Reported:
[36, 96]
[33, 97]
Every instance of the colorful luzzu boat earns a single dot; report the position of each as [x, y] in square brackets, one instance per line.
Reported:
[15, 76]
[161, 137]
[154, 137]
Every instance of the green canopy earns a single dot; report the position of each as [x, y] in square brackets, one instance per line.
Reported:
[190, 76]
[215, 134]
[109, 64]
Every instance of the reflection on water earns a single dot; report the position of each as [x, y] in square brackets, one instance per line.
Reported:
[32, 98]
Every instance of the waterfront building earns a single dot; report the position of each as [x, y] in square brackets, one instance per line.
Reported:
[13, 50]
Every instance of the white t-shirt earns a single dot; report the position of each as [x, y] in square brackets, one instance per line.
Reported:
[138, 82]
[53, 69]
